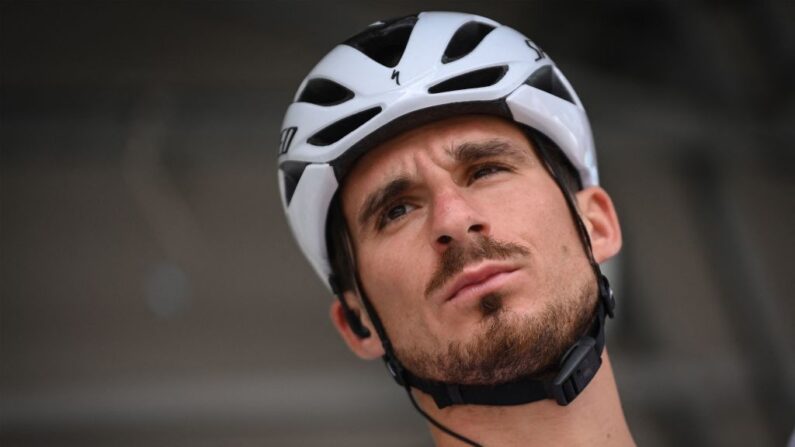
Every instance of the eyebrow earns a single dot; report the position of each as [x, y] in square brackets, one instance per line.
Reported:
[472, 151]
[465, 153]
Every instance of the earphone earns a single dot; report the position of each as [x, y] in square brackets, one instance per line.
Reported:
[354, 321]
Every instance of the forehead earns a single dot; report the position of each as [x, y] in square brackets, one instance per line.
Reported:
[437, 139]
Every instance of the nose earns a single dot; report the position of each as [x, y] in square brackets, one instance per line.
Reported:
[455, 220]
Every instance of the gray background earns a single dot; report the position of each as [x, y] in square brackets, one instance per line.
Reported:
[151, 293]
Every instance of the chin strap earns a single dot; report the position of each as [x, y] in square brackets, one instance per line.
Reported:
[578, 366]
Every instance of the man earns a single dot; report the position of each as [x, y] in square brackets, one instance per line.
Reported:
[439, 173]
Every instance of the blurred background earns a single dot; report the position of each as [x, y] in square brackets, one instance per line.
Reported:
[151, 293]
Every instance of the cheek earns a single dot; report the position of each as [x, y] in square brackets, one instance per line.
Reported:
[554, 237]
[535, 214]
[519, 211]
[394, 275]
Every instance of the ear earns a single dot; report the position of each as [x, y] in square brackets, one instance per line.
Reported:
[366, 348]
[599, 215]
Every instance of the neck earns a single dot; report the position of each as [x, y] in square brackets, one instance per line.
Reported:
[595, 418]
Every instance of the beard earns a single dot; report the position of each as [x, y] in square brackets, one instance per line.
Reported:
[509, 346]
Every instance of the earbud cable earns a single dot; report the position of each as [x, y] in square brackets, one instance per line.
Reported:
[438, 424]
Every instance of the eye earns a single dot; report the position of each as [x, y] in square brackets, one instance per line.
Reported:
[394, 213]
[486, 170]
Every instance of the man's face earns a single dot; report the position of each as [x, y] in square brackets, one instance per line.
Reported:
[468, 251]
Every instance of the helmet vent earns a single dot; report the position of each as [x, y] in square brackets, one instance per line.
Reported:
[337, 131]
[384, 42]
[323, 92]
[466, 39]
[547, 80]
[474, 79]
[293, 171]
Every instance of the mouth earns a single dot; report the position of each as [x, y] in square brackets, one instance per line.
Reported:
[478, 281]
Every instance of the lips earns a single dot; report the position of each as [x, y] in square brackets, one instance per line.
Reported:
[477, 280]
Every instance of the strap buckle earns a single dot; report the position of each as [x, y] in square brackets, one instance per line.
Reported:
[578, 367]
[395, 369]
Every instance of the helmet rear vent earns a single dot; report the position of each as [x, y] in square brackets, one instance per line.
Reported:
[547, 80]
[323, 92]
[465, 39]
[384, 42]
[474, 79]
[337, 131]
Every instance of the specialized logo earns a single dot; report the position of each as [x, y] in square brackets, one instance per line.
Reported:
[396, 76]
[539, 52]
[286, 139]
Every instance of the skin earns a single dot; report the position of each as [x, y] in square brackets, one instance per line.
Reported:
[449, 202]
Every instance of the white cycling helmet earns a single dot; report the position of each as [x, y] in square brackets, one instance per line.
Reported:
[400, 74]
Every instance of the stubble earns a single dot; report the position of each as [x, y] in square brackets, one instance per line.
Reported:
[507, 346]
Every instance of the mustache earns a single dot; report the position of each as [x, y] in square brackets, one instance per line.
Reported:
[456, 258]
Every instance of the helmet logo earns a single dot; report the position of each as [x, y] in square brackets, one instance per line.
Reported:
[286, 139]
[539, 52]
[396, 76]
